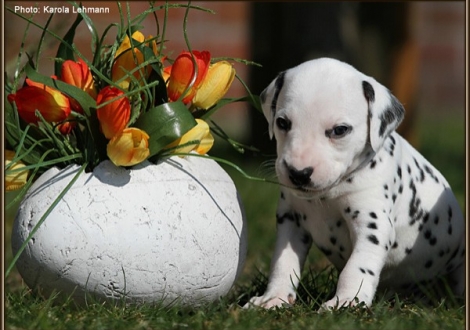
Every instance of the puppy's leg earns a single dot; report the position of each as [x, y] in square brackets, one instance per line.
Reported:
[372, 237]
[292, 245]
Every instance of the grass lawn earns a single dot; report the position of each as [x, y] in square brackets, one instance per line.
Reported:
[444, 148]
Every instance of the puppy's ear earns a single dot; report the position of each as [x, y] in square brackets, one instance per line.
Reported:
[385, 112]
[269, 101]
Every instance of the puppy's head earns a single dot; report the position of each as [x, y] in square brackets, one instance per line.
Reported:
[328, 120]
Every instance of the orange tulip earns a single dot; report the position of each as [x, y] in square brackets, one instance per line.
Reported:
[51, 103]
[218, 80]
[128, 147]
[198, 139]
[182, 72]
[128, 58]
[113, 116]
[15, 180]
[78, 74]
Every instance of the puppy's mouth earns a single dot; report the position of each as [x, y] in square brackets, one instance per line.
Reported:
[308, 192]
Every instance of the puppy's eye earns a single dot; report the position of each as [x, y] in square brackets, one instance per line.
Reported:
[338, 131]
[283, 124]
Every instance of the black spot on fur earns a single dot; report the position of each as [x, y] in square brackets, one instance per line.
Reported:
[347, 210]
[449, 212]
[408, 250]
[399, 171]
[428, 264]
[369, 92]
[426, 217]
[325, 251]
[395, 245]
[436, 220]
[371, 272]
[333, 240]
[355, 214]
[392, 114]
[449, 230]
[277, 89]
[363, 271]
[373, 215]
[306, 239]
[427, 234]
[373, 239]
[339, 223]
[349, 180]
[373, 163]
[431, 173]
[372, 225]
[433, 241]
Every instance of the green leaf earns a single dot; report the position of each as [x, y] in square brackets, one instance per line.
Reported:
[165, 124]
[64, 52]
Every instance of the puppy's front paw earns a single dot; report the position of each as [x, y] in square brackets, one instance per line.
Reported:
[270, 301]
[336, 303]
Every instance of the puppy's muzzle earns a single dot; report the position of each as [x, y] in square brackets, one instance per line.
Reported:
[301, 177]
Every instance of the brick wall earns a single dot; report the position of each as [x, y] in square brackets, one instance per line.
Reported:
[439, 29]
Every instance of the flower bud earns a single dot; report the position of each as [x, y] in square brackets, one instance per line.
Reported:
[198, 139]
[129, 147]
[215, 85]
[15, 180]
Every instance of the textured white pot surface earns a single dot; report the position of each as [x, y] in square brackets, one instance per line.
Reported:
[157, 233]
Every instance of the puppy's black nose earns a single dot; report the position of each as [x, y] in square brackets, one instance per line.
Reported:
[299, 177]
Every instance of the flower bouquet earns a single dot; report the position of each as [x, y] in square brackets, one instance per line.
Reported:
[108, 125]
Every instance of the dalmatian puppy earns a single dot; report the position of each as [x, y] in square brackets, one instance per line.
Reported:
[380, 212]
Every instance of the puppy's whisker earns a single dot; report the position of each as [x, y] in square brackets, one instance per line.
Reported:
[268, 169]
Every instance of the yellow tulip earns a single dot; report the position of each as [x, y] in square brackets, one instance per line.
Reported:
[129, 147]
[218, 79]
[199, 134]
[127, 59]
[16, 180]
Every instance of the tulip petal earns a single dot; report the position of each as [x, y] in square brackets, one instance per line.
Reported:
[127, 58]
[52, 104]
[182, 72]
[78, 74]
[215, 85]
[129, 147]
[15, 180]
[113, 116]
[198, 139]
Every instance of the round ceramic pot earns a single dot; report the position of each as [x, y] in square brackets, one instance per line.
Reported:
[173, 232]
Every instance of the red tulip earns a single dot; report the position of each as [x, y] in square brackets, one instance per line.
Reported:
[78, 74]
[182, 72]
[113, 116]
[51, 103]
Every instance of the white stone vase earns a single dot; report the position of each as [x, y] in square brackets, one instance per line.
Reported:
[168, 233]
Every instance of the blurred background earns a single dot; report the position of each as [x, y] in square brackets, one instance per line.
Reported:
[416, 49]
